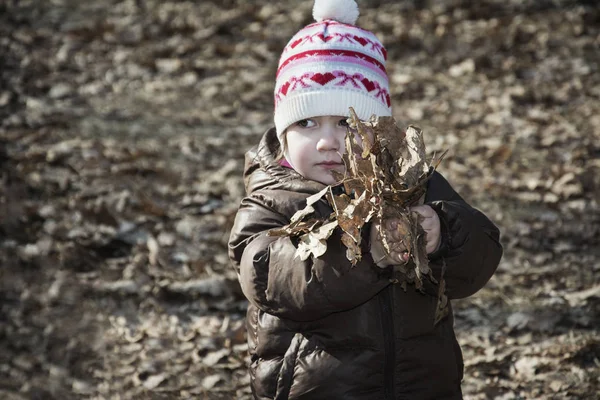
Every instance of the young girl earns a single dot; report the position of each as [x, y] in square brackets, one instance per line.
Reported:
[320, 328]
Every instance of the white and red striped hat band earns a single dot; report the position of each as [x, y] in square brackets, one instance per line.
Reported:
[330, 66]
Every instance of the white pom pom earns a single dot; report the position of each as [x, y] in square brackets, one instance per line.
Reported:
[344, 11]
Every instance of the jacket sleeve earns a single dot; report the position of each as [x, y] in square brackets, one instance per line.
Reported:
[470, 250]
[277, 282]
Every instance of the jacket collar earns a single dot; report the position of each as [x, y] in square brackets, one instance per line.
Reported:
[263, 171]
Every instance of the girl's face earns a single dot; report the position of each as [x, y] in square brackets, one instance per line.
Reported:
[315, 147]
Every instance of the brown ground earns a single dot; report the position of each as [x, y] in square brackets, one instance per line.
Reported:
[123, 127]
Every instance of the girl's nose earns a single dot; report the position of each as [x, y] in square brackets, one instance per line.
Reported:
[330, 140]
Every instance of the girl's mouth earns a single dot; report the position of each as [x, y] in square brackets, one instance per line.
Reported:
[330, 164]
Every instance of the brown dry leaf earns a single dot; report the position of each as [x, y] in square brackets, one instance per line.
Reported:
[352, 217]
[442, 306]
[297, 223]
[309, 202]
[351, 220]
[418, 245]
[414, 167]
[295, 229]
[315, 241]
[353, 252]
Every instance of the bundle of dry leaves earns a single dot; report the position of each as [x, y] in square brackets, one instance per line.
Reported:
[386, 173]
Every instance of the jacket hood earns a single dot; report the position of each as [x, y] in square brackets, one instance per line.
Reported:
[263, 171]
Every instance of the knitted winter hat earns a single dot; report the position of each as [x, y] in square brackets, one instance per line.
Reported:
[329, 66]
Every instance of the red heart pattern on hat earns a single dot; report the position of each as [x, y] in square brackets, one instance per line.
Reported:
[325, 38]
[363, 41]
[369, 85]
[322, 79]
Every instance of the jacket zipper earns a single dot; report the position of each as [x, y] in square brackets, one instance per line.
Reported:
[387, 307]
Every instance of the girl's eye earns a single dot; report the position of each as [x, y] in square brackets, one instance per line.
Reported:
[305, 123]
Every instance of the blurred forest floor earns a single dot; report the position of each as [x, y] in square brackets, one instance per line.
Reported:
[123, 126]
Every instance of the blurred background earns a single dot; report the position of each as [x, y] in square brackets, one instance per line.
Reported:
[123, 127]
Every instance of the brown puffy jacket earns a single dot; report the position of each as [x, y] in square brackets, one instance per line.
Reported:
[319, 329]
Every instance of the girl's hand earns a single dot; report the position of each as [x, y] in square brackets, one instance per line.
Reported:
[431, 226]
[398, 253]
